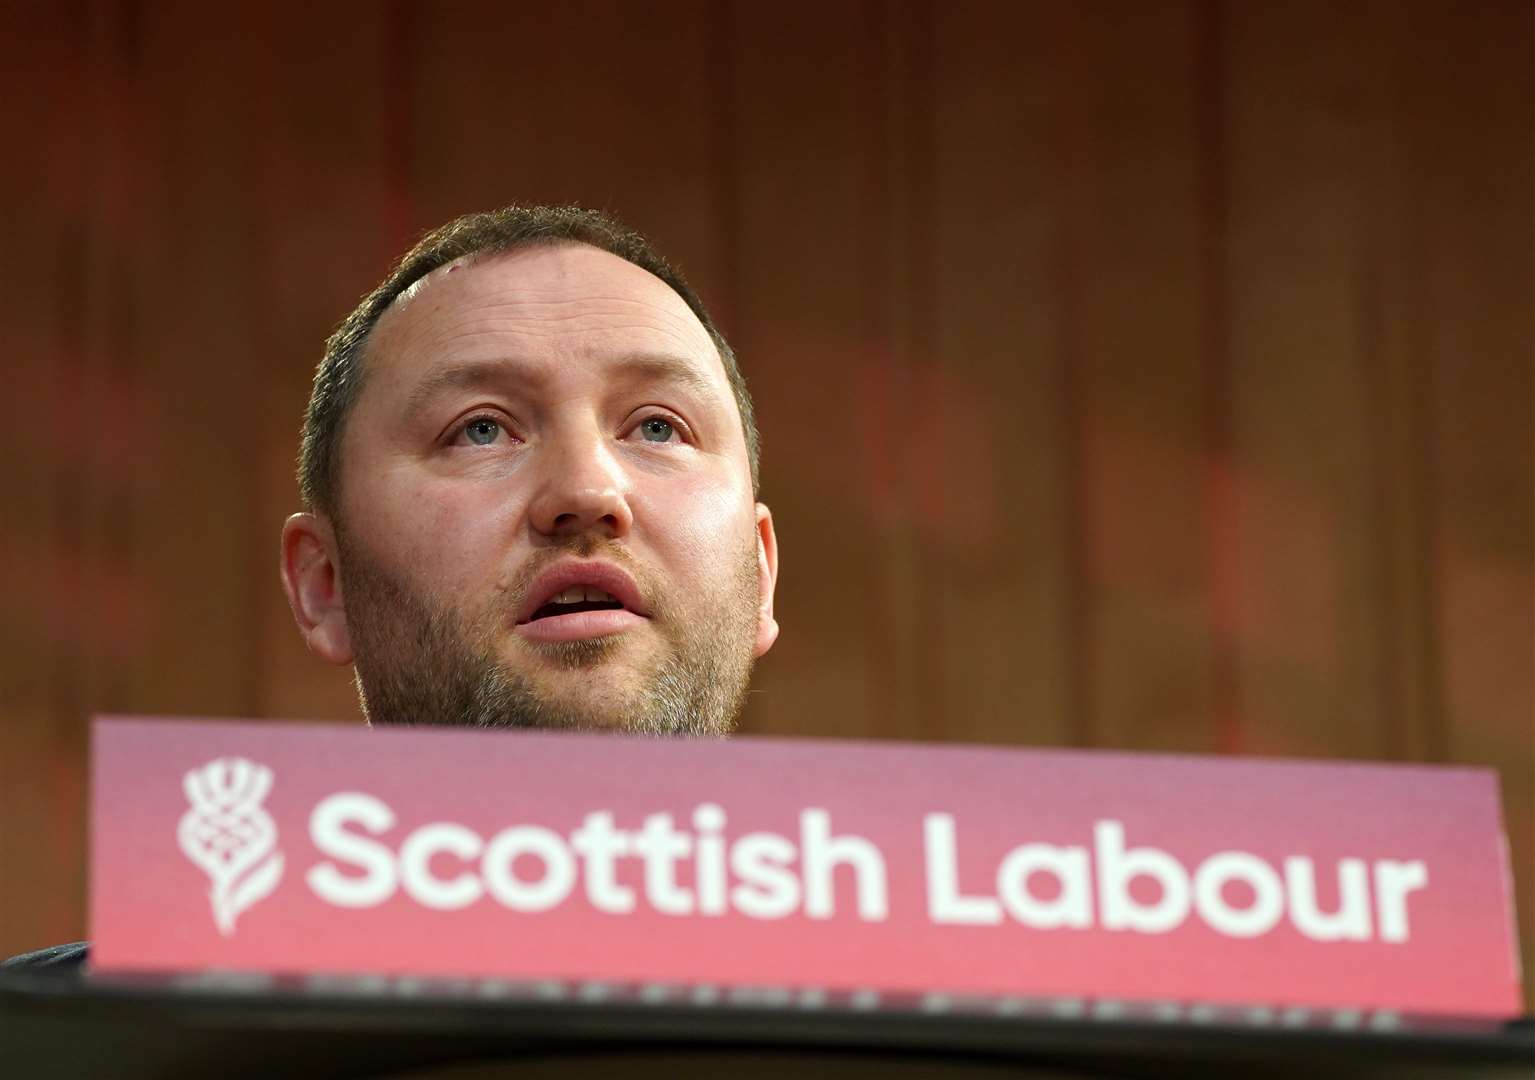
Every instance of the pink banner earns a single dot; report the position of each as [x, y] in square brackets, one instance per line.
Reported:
[799, 863]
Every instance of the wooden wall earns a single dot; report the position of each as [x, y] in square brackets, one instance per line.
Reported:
[1131, 374]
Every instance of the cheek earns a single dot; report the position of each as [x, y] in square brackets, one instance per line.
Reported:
[445, 537]
[702, 524]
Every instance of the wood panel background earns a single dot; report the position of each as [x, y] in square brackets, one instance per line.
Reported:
[1152, 375]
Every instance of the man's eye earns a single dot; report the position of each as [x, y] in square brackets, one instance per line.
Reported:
[657, 429]
[482, 430]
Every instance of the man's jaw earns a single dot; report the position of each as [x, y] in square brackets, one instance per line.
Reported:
[420, 662]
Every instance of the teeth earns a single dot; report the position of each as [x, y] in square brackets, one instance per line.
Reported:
[577, 593]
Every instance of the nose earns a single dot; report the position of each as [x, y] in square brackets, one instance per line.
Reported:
[581, 489]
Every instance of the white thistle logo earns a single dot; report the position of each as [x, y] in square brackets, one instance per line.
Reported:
[228, 834]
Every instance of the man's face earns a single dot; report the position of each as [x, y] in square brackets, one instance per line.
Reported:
[546, 515]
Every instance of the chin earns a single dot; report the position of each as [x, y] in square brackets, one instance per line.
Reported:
[584, 654]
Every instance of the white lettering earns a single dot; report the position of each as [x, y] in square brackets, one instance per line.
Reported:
[820, 853]
[1351, 922]
[1393, 881]
[415, 866]
[1118, 867]
[768, 890]
[1069, 865]
[660, 845]
[448, 866]
[599, 844]
[709, 863]
[944, 902]
[559, 868]
[327, 828]
[1209, 894]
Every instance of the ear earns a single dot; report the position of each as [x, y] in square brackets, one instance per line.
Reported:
[767, 581]
[314, 588]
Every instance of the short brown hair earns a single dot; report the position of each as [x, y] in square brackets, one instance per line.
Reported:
[339, 377]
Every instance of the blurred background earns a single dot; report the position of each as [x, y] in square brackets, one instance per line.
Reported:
[1153, 375]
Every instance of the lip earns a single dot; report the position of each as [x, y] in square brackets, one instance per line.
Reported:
[571, 572]
[580, 625]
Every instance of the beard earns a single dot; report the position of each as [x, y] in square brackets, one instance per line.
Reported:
[418, 662]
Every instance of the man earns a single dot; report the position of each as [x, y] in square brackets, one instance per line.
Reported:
[530, 464]
[531, 473]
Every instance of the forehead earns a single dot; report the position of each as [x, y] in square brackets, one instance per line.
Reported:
[551, 303]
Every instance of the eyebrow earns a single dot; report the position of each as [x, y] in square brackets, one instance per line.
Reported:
[636, 367]
[460, 376]
[665, 367]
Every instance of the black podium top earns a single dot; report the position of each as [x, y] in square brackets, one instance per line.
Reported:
[238, 1026]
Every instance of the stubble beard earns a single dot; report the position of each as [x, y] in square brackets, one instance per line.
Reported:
[417, 663]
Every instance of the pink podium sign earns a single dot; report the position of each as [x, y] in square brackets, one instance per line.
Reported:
[847, 866]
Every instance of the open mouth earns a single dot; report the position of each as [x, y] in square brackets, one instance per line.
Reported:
[576, 599]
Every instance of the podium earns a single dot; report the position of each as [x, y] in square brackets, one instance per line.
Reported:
[582, 905]
[236, 1027]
